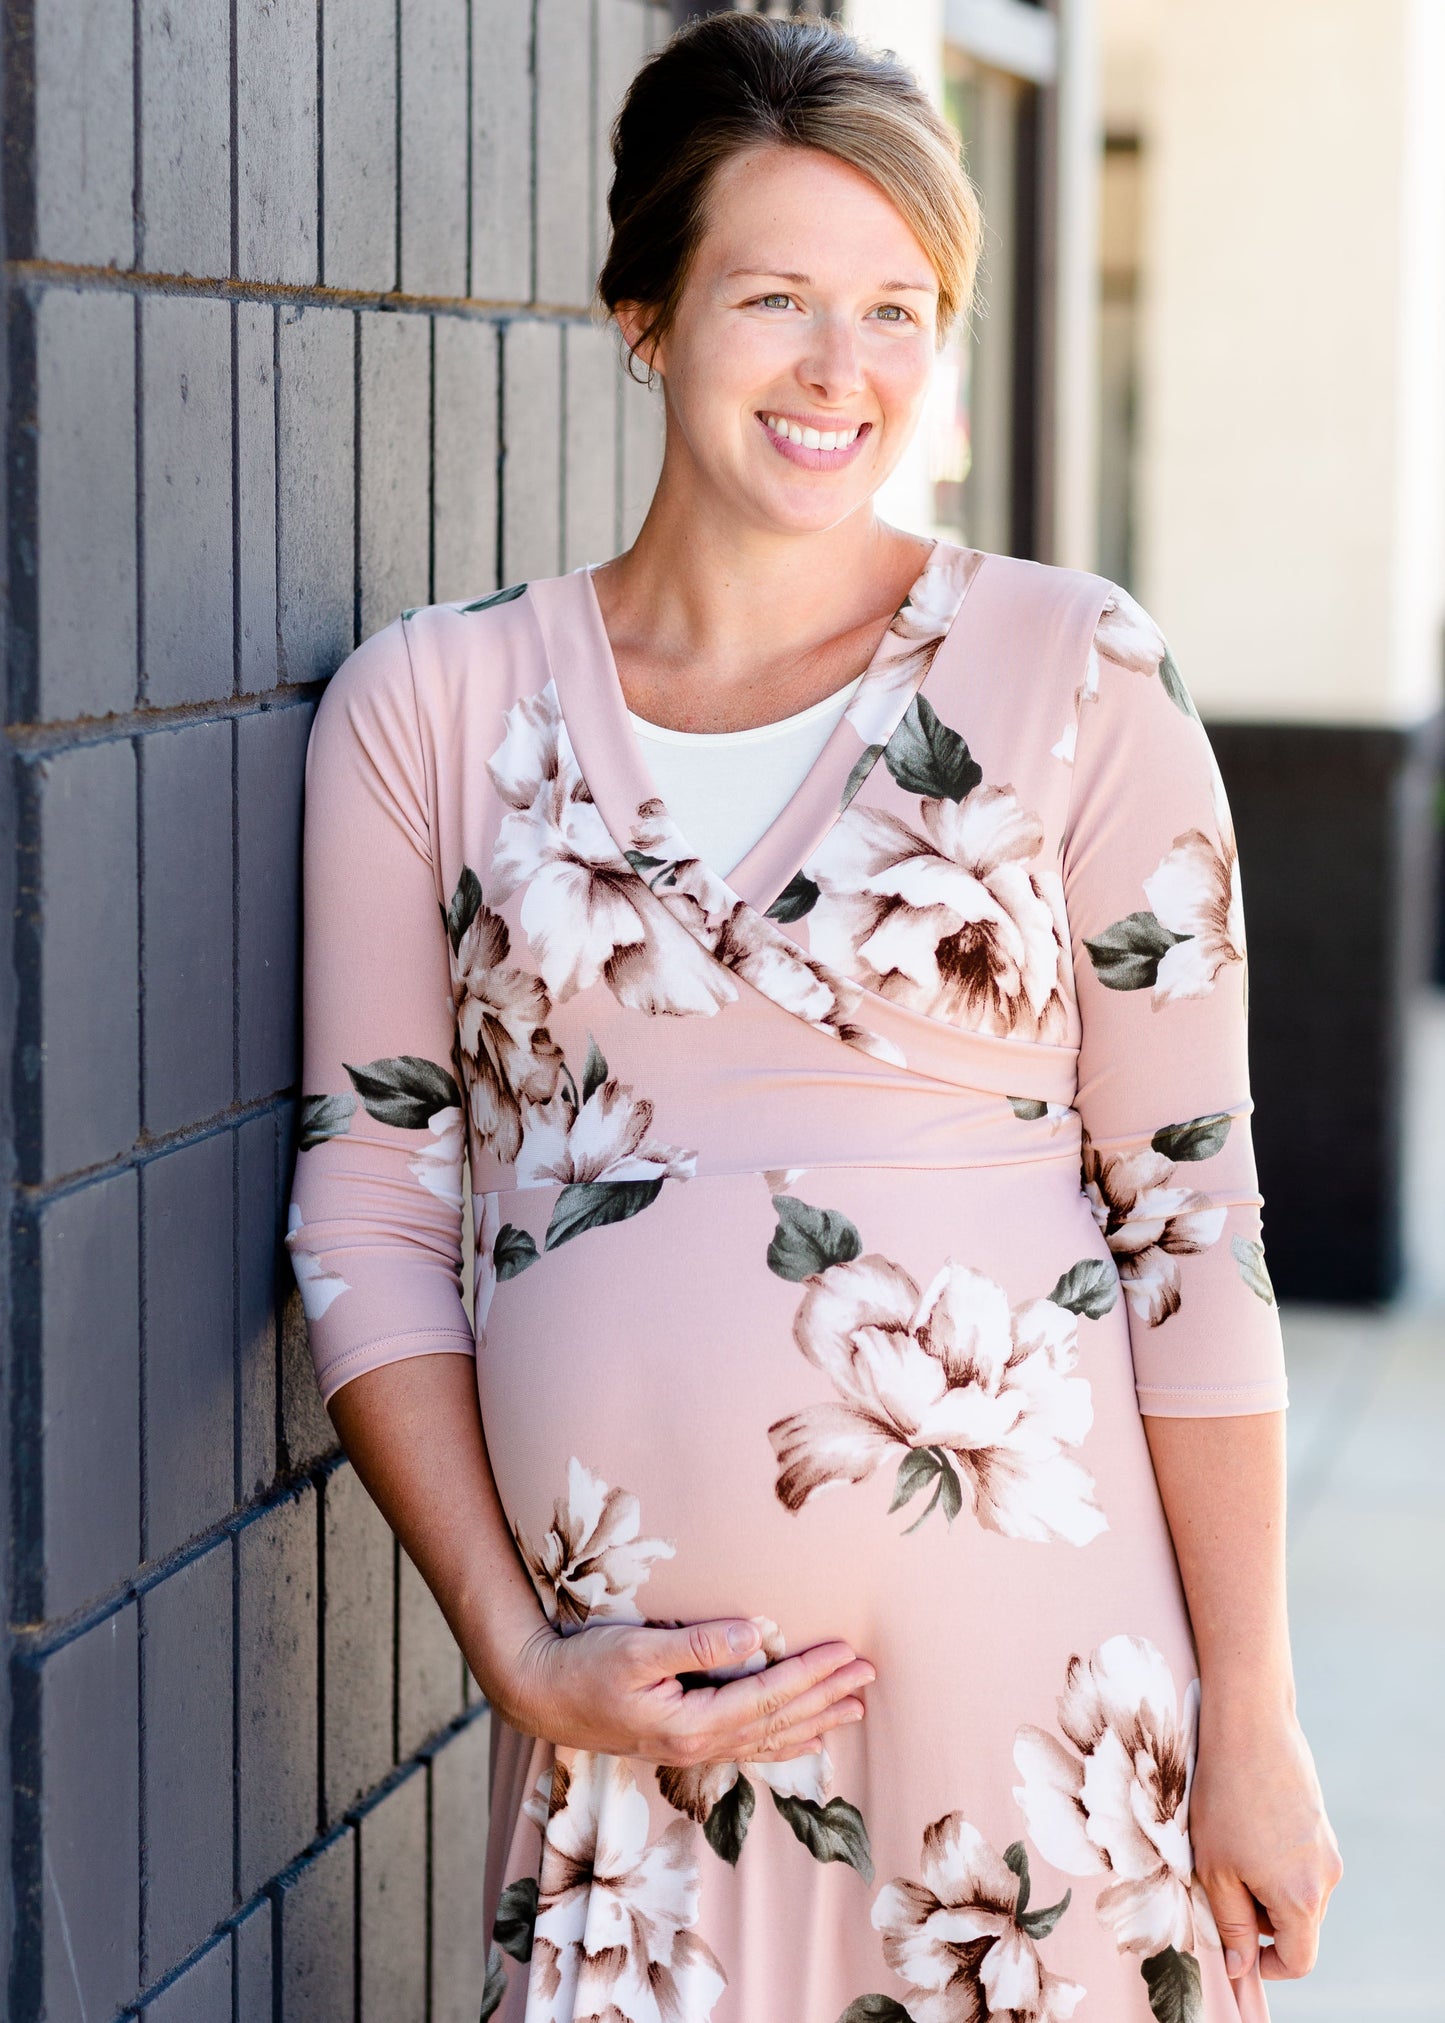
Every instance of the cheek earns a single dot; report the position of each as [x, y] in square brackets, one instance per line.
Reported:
[903, 374]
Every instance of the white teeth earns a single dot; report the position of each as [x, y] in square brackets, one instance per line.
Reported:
[811, 438]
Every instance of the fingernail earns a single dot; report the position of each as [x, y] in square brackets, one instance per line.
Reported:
[742, 1637]
[1233, 1963]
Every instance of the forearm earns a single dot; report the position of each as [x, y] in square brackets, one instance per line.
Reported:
[1222, 1482]
[413, 1432]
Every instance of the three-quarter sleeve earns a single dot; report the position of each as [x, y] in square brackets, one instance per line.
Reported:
[375, 1218]
[1155, 912]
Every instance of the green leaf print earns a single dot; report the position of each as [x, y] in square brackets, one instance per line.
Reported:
[875, 2009]
[798, 896]
[1016, 1857]
[1249, 1256]
[862, 767]
[1038, 1924]
[1127, 955]
[926, 757]
[915, 1471]
[512, 1252]
[1199, 1138]
[919, 1467]
[1089, 1287]
[495, 1986]
[516, 1917]
[497, 597]
[726, 1826]
[1175, 1992]
[1172, 682]
[1028, 1107]
[466, 901]
[594, 1069]
[590, 1204]
[831, 1832]
[324, 1117]
[808, 1240]
[640, 862]
[405, 1091]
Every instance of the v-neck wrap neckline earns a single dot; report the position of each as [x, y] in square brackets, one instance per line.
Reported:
[929, 630]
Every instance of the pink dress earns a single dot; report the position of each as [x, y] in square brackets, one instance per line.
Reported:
[834, 1224]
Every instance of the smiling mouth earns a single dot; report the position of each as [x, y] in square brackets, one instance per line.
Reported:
[833, 440]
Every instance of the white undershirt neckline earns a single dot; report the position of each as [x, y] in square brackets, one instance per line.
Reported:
[725, 789]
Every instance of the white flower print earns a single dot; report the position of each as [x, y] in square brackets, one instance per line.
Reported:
[795, 979]
[922, 623]
[613, 1941]
[1125, 635]
[604, 1138]
[508, 1057]
[487, 1227]
[590, 1561]
[700, 1788]
[954, 922]
[1195, 894]
[1148, 1221]
[959, 1388]
[587, 915]
[960, 1938]
[1117, 1800]
[438, 1166]
[316, 1282]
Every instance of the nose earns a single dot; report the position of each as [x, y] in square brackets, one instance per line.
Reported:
[831, 367]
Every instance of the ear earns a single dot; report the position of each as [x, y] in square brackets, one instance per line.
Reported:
[631, 319]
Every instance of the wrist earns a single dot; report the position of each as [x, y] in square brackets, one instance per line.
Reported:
[1236, 1697]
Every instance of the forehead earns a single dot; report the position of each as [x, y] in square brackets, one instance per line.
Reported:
[794, 209]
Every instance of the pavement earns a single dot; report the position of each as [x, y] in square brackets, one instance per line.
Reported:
[1367, 1600]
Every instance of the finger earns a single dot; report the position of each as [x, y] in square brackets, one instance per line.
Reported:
[1238, 1917]
[1296, 1945]
[805, 1736]
[698, 1647]
[848, 1681]
[765, 1696]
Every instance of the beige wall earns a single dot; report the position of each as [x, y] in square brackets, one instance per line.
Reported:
[1291, 521]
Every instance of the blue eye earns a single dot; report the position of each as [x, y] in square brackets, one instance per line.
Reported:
[766, 300]
[890, 312]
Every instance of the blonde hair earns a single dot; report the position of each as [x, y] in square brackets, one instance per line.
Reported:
[731, 82]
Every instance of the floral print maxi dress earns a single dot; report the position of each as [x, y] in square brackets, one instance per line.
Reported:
[834, 1224]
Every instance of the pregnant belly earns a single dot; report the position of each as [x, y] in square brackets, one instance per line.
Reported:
[729, 1402]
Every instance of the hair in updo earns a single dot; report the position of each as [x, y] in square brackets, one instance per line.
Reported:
[730, 82]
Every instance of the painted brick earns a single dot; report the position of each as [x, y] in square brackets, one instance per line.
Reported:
[564, 153]
[251, 1961]
[276, 1668]
[501, 150]
[641, 440]
[256, 493]
[90, 1822]
[464, 460]
[621, 46]
[91, 1035]
[359, 145]
[189, 1404]
[90, 1289]
[85, 372]
[307, 1432]
[318, 1923]
[393, 1904]
[186, 946]
[589, 522]
[358, 1612]
[395, 466]
[186, 514]
[276, 122]
[315, 481]
[531, 465]
[658, 16]
[460, 1810]
[429, 1665]
[434, 147]
[186, 1734]
[270, 767]
[185, 73]
[84, 53]
[258, 1237]
[201, 1995]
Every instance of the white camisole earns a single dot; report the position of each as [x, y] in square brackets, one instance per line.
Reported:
[724, 789]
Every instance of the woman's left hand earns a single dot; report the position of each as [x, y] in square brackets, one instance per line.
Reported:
[1263, 1847]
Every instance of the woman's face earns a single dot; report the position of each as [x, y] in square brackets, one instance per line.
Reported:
[809, 313]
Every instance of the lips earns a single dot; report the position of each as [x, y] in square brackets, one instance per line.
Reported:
[815, 448]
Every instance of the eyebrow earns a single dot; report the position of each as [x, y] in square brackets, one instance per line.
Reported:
[805, 281]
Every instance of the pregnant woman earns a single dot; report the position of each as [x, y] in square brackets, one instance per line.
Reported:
[859, 1488]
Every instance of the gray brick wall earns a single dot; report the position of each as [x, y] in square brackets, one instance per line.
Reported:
[296, 333]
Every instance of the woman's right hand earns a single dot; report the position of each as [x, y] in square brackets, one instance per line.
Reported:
[620, 1690]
